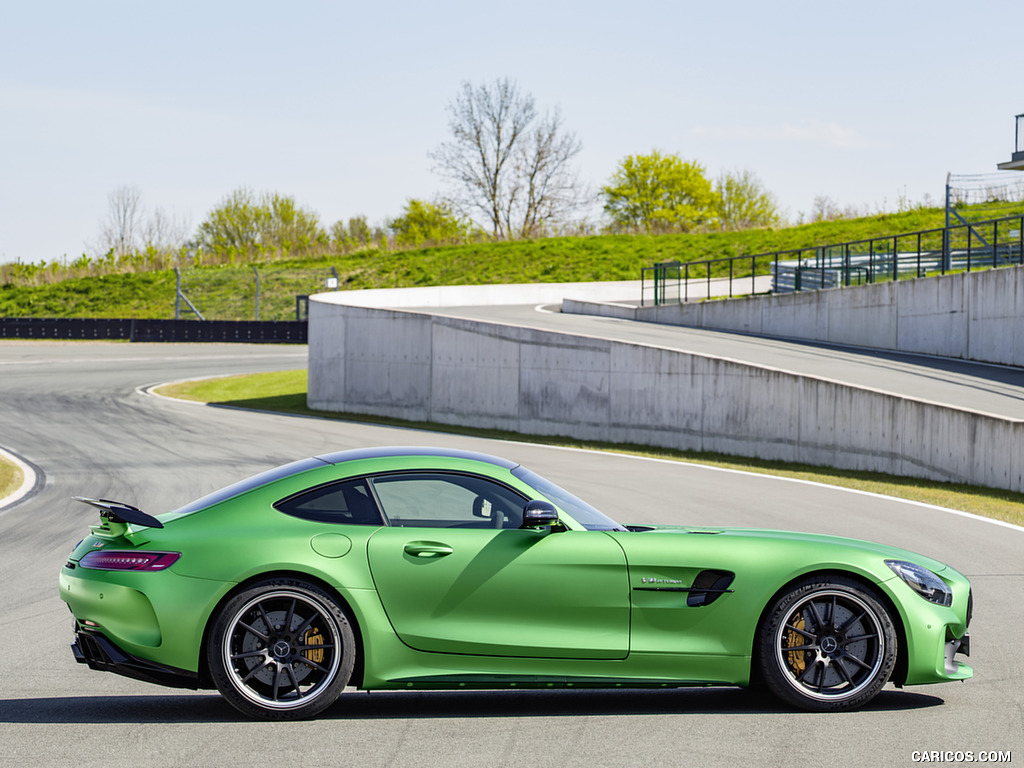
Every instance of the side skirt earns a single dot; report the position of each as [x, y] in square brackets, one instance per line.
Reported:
[481, 682]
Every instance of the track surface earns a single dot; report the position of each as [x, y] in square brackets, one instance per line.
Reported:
[74, 411]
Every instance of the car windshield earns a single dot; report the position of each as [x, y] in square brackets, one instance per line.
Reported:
[583, 513]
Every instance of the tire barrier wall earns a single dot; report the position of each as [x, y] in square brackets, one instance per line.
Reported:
[417, 366]
[971, 316]
[244, 331]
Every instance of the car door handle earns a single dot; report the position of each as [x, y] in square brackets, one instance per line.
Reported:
[427, 549]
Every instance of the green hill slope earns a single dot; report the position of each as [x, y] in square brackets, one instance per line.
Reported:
[229, 292]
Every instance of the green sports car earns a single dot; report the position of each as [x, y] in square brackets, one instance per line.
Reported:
[406, 568]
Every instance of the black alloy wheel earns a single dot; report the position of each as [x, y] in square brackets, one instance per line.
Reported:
[281, 650]
[827, 644]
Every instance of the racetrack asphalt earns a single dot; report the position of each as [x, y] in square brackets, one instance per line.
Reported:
[76, 411]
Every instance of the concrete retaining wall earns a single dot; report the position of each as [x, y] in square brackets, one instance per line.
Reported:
[417, 366]
[976, 316]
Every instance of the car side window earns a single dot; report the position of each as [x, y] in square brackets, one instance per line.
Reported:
[348, 503]
[441, 500]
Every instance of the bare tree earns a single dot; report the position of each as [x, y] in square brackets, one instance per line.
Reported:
[126, 229]
[119, 230]
[825, 209]
[511, 169]
[552, 187]
[166, 232]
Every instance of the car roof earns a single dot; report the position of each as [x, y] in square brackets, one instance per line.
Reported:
[356, 454]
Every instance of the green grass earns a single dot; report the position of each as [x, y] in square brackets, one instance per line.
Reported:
[11, 478]
[228, 292]
[145, 295]
[285, 392]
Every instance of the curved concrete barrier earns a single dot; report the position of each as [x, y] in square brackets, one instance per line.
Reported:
[969, 316]
[484, 295]
[419, 366]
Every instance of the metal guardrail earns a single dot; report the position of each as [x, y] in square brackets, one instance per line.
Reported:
[239, 331]
[961, 248]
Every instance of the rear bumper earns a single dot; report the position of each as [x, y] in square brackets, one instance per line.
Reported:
[100, 653]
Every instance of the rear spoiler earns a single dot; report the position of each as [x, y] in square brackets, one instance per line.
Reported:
[119, 512]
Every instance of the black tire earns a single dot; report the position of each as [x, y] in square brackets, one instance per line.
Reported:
[281, 649]
[827, 644]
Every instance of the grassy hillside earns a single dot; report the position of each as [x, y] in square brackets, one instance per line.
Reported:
[229, 292]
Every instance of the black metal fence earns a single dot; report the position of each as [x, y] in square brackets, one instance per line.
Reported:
[238, 331]
[961, 248]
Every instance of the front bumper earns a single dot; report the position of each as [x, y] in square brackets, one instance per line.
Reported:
[936, 636]
[953, 647]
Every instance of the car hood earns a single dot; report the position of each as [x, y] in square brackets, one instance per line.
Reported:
[766, 534]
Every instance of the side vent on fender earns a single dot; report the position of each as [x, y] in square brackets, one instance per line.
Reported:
[708, 587]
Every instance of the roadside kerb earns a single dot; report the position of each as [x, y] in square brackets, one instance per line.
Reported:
[29, 480]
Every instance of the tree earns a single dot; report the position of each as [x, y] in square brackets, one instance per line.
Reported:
[426, 223]
[743, 201]
[243, 222]
[165, 233]
[659, 193]
[289, 226]
[119, 230]
[511, 168]
[359, 230]
[236, 223]
[825, 209]
[126, 229]
[356, 236]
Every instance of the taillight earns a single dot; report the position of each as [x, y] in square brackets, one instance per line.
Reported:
[138, 560]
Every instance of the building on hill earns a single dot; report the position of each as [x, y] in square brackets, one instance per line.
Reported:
[1017, 161]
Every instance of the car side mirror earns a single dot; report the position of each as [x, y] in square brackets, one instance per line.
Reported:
[539, 514]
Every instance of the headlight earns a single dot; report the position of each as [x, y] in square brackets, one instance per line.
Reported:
[924, 582]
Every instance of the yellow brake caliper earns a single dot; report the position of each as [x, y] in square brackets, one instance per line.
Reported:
[313, 637]
[796, 659]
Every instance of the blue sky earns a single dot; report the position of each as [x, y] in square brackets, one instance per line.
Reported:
[337, 103]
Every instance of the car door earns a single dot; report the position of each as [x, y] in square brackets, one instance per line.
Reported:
[456, 574]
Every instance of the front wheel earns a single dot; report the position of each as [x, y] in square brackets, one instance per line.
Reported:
[281, 650]
[827, 644]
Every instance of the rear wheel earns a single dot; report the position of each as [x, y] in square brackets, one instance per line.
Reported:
[827, 644]
[281, 650]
